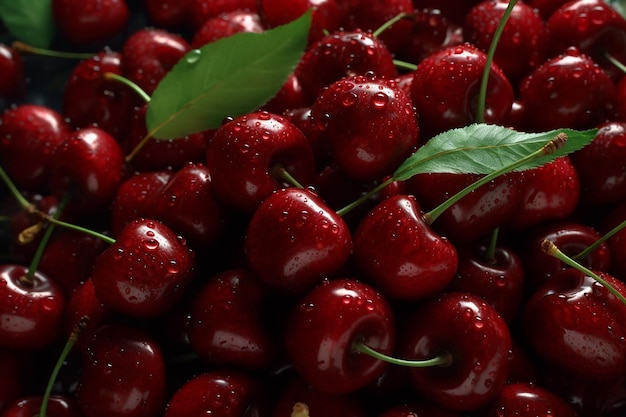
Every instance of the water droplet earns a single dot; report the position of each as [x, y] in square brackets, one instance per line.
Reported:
[379, 100]
[349, 99]
[193, 56]
[151, 244]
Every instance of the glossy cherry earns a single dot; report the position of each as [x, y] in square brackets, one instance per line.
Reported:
[168, 14]
[58, 406]
[227, 24]
[325, 14]
[526, 400]
[145, 271]
[294, 241]
[617, 242]
[201, 10]
[13, 82]
[325, 325]
[90, 22]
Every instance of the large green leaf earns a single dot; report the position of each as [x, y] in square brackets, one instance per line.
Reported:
[485, 148]
[29, 21]
[229, 77]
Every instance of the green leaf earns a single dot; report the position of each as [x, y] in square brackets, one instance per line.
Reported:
[484, 148]
[29, 21]
[619, 5]
[229, 77]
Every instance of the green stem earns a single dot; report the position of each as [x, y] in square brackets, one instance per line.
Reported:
[444, 359]
[615, 62]
[279, 172]
[482, 94]
[60, 223]
[404, 65]
[71, 341]
[111, 76]
[390, 23]
[345, 210]
[551, 249]
[554, 144]
[13, 189]
[490, 255]
[25, 48]
[598, 242]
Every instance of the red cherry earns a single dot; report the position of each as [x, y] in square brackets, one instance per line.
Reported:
[13, 81]
[418, 410]
[325, 325]
[478, 340]
[31, 311]
[294, 241]
[244, 153]
[575, 323]
[325, 14]
[453, 10]
[227, 24]
[202, 10]
[86, 22]
[145, 271]
[617, 242]
[28, 135]
[526, 400]
[58, 406]
[168, 14]
[123, 374]
[86, 168]
[369, 125]
[12, 378]
[83, 302]
[398, 251]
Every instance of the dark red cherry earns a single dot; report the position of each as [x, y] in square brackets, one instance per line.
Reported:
[294, 241]
[575, 323]
[325, 16]
[325, 325]
[617, 242]
[145, 271]
[399, 252]
[82, 303]
[87, 22]
[168, 14]
[13, 81]
[123, 374]
[31, 310]
[57, 406]
[369, 125]
[454, 10]
[425, 409]
[527, 400]
[28, 135]
[227, 24]
[201, 10]
[13, 377]
[476, 338]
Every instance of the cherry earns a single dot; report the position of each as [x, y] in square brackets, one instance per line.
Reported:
[90, 99]
[168, 14]
[86, 168]
[341, 54]
[570, 90]
[244, 153]
[227, 326]
[476, 338]
[326, 324]
[523, 43]
[616, 242]
[445, 90]
[58, 406]
[398, 251]
[123, 374]
[418, 410]
[454, 10]
[227, 24]
[546, 7]
[369, 125]
[28, 135]
[12, 378]
[83, 302]
[148, 54]
[31, 309]
[202, 10]
[600, 166]
[88, 22]
[145, 271]
[219, 392]
[13, 82]
[575, 323]
[526, 400]
[294, 241]
[289, 99]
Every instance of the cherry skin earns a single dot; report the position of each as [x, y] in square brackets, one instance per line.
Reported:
[575, 323]
[13, 82]
[168, 14]
[369, 125]
[226, 325]
[145, 271]
[123, 374]
[32, 310]
[294, 241]
[227, 24]
[12, 379]
[399, 252]
[90, 22]
[478, 340]
[445, 89]
[83, 302]
[58, 406]
[202, 10]
[616, 243]
[526, 400]
[323, 328]
[86, 168]
[325, 15]
[453, 10]
[243, 154]
[28, 135]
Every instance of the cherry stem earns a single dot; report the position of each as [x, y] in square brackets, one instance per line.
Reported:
[281, 173]
[391, 22]
[404, 65]
[490, 255]
[482, 93]
[443, 359]
[551, 249]
[615, 62]
[345, 210]
[71, 341]
[60, 223]
[14, 190]
[598, 242]
[111, 76]
[555, 143]
[25, 48]
[300, 410]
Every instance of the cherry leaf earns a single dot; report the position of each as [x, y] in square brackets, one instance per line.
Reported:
[29, 21]
[229, 77]
[483, 148]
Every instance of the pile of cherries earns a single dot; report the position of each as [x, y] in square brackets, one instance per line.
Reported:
[228, 272]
